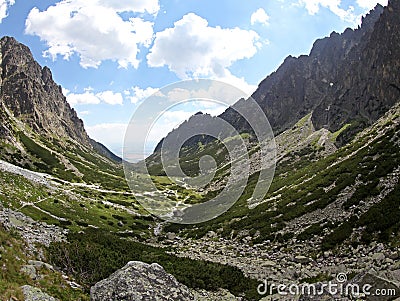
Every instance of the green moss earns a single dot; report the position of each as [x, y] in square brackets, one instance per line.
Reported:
[340, 131]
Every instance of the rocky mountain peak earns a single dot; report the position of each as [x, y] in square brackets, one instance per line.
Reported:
[29, 92]
[347, 78]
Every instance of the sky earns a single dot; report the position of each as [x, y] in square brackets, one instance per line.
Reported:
[111, 55]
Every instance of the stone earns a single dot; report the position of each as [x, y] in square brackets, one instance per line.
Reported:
[40, 264]
[138, 281]
[35, 294]
[302, 259]
[171, 235]
[29, 270]
[378, 257]
[376, 282]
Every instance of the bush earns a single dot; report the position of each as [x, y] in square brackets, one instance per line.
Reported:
[338, 235]
[97, 254]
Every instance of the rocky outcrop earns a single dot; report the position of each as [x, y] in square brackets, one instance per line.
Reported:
[367, 286]
[30, 94]
[140, 281]
[33, 232]
[35, 294]
[346, 78]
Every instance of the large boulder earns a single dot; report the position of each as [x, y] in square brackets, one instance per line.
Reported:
[140, 281]
[35, 294]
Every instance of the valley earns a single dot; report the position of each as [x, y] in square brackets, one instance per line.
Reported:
[73, 228]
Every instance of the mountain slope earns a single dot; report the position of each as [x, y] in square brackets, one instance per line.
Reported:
[30, 94]
[347, 79]
[336, 115]
[40, 131]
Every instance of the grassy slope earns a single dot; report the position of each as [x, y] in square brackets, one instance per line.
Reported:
[303, 185]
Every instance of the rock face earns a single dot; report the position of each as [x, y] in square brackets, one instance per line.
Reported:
[140, 281]
[35, 294]
[349, 78]
[30, 94]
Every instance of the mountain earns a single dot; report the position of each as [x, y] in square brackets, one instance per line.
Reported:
[30, 94]
[334, 199]
[347, 79]
[332, 208]
[39, 130]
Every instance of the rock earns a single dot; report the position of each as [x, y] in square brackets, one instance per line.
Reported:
[29, 270]
[34, 294]
[396, 275]
[171, 235]
[395, 266]
[377, 282]
[221, 294]
[327, 254]
[40, 264]
[269, 263]
[378, 257]
[394, 255]
[140, 281]
[302, 259]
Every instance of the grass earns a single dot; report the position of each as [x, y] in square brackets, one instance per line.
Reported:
[303, 185]
[13, 257]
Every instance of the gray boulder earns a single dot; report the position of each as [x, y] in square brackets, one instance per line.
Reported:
[35, 294]
[140, 281]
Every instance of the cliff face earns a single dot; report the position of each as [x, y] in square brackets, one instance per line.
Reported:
[350, 78]
[347, 78]
[367, 83]
[30, 94]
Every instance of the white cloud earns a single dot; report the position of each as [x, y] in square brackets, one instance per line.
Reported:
[110, 134]
[217, 92]
[192, 48]
[110, 97]
[370, 4]
[259, 16]
[88, 97]
[141, 94]
[140, 6]
[82, 99]
[334, 6]
[94, 30]
[4, 6]
[84, 113]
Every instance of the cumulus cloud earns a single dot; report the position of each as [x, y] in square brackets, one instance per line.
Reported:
[110, 97]
[88, 97]
[140, 94]
[334, 6]
[94, 30]
[82, 99]
[149, 6]
[4, 6]
[259, 16]
[216, 93]
[192, 48]
[370, 4]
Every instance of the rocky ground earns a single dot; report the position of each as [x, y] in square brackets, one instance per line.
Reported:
[294, 263]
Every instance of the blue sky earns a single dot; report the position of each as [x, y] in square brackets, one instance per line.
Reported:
[109, 55]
